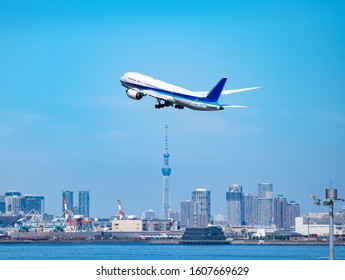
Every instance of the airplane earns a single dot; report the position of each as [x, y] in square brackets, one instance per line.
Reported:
[139, 85]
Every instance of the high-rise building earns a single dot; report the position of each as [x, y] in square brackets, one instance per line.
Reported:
[201, 199]
[285, 213]
[265, 202]
[280, 212]
[166, 170]
[84, 203]
[2, 205]
[75, 210]
[68, 197]
[33, 202]
[16, 203]
[234, 198]
[293, 211]
[175, 215]
[186, 214]
[250, 208]
[13, 202]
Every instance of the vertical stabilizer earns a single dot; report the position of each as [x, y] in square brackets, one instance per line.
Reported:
[213, 94]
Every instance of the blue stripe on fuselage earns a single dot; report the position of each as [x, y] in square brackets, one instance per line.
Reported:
[174, 94]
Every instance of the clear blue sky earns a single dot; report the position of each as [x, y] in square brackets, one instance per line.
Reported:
[67, 124]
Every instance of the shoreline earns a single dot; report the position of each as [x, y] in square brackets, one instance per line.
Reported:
[169, 242]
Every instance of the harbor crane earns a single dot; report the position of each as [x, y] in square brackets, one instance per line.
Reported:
[121, 213]
[33, 217]
[76, 222]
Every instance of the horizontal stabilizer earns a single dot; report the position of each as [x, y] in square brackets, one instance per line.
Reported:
[230, 91]
[233, 106]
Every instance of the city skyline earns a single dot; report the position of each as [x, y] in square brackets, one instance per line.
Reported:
[193, 213]
[66, 122]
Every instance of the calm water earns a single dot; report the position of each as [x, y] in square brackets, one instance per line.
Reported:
[164, 252]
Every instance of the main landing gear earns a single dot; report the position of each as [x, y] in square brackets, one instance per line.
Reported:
[159, 106]
[179, 106]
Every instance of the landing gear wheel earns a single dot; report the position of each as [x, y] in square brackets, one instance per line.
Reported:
[177, 106]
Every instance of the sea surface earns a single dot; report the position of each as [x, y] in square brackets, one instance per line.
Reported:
[142, 251]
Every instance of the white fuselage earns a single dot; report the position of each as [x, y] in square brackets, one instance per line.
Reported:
[164, 92]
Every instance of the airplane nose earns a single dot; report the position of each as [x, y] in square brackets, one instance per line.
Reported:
[123, 78]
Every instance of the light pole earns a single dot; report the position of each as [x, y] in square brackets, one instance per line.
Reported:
[308, 227]
[331, 197]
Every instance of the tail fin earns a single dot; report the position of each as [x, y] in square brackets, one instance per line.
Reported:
[213, 94]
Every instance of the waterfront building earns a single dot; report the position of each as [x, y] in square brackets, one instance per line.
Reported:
[293, 211]
[186, 214]
[153, 225]
[68, 196]
[127, 225]
[84, 203]
[148, 215]
[208, 235]
[317, 224]
[265, 207]
[201, 199]
[166, 171]
[280, 212]
[234, 198]
[157, 225]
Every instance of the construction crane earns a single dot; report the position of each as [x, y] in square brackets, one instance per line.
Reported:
[121, 213]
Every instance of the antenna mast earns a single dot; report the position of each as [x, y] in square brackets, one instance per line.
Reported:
[166, 170]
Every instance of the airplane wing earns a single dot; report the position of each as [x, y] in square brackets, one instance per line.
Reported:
[154, 94]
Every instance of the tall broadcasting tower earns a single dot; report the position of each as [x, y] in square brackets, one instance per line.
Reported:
[166, 170]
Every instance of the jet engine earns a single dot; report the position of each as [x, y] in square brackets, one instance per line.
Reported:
[131, 93]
